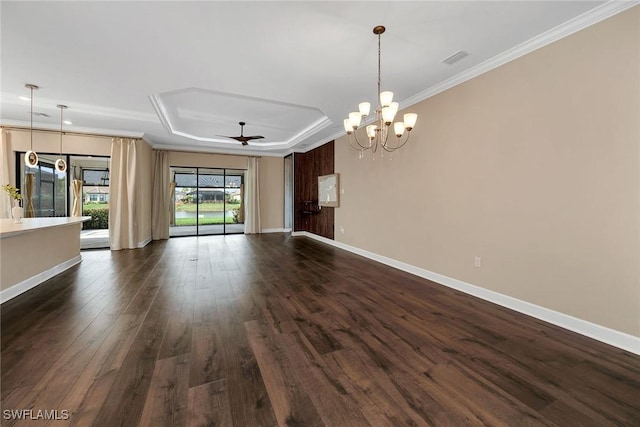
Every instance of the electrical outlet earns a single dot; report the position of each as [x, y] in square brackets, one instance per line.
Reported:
[478, 262]
[342, 230]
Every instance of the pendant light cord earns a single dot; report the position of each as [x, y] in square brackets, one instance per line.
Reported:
[61, 112]
[31, 123]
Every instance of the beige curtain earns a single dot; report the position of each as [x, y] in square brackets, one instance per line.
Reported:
[5, 200]
[123, 194]
[160, 197]
[252, 197]
[29, 182]
[76, 187]
[172, 193]
[241, 209]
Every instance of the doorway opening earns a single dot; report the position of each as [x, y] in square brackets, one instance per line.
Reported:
[91, 185]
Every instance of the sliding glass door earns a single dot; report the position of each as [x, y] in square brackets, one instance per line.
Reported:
[234, 201]
[211, 201]
[207, 201]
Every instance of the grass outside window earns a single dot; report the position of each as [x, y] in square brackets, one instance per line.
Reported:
[206, 207]
[94, 205]
[203, 221]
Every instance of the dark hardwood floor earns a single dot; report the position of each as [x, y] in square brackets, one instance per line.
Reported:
[273, 330]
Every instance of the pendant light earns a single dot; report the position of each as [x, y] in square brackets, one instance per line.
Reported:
[31, 157]
[61, 164]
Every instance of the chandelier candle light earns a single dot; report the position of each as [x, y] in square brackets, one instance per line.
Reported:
[378, 133]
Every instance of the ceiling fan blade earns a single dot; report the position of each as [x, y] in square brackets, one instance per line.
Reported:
[243, 139]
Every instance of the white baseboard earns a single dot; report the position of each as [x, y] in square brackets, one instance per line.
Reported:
[34, 281]
[601, 333]
[144, 243]
[273, 230]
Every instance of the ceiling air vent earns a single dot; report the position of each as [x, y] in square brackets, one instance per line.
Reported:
[35, 113]
[455, 57]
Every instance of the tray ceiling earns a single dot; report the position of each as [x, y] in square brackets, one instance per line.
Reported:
[180, 73]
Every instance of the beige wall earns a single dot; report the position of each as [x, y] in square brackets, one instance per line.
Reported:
[272, 192]
[271, 179]
[534, 167]
[206, 160]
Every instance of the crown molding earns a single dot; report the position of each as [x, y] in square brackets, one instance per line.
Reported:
[312, 128]
[158, 107]
[71, 129]
[208, 150]
[587, 19]
[574, 25]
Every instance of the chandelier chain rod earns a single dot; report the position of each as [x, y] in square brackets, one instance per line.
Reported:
[379, 72]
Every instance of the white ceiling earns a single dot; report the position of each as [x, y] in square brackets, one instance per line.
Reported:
[291, 70]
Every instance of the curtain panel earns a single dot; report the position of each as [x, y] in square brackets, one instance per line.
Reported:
[123, 190]
[172, 194]
[5, 200]
[161, 198]
[252, 197]
[76, 187]
[27, 198]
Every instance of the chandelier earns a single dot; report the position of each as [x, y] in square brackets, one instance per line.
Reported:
[377, 133]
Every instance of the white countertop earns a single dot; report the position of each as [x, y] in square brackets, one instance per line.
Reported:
[8, 228]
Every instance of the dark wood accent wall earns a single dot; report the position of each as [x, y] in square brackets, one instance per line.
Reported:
[308, 167]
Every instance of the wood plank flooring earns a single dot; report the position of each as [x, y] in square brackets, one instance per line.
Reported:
[273, 330]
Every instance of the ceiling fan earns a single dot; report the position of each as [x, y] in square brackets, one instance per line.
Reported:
[243, 138]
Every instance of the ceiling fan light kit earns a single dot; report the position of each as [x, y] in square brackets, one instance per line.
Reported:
[377, 134]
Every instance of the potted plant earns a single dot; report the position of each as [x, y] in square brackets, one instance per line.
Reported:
[15, 196]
